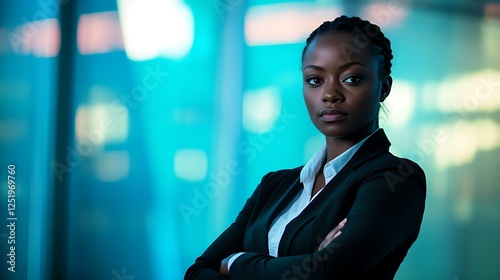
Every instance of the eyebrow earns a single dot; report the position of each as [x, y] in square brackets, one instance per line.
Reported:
[342, 67]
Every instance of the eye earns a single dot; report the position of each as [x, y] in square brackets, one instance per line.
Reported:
[314, 81]
[353, 79]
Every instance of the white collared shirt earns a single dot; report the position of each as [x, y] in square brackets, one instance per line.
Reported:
[302, 200]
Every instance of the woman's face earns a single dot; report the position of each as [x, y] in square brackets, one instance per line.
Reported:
[341, 85]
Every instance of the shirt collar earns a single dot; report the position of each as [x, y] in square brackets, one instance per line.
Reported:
[309, 171]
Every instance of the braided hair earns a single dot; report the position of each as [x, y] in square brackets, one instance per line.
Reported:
[370, 32]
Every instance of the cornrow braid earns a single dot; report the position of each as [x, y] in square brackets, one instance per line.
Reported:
[376, 37]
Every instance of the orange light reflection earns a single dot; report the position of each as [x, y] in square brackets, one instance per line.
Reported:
[99, 33]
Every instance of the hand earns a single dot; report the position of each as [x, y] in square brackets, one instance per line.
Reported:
[223, 269]
[336, 232]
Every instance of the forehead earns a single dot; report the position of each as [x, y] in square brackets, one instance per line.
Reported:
[334, 48]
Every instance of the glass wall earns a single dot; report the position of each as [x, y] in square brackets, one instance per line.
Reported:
[136, 130]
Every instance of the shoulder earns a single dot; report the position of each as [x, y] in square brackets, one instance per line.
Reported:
[282, 174]
[274, 179]
[390, 164]
[388, 176]
[278, 181]
[374, 157]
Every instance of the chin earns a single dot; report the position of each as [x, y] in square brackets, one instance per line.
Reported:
[344, 128]
[335, 132]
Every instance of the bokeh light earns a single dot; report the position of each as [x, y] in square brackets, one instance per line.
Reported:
[140, 127]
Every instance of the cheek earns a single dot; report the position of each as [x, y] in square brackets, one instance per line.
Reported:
[370, 107]
[309, 101]
[368, 98]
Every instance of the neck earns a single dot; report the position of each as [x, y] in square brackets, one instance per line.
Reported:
[337, 145]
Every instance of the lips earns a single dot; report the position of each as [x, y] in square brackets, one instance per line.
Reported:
[332, 115]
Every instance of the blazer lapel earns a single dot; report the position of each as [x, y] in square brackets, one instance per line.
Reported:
[285, 192]
[330, 191]
[284, 200]
[375, 145]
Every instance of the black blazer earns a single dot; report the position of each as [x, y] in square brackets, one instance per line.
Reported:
[381, 195]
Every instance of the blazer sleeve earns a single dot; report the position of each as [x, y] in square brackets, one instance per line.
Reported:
[386, 213]
[229, 242]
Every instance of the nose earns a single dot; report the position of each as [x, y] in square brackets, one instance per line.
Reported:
[332, 95]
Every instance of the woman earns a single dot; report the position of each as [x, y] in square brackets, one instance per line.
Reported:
[293, 226]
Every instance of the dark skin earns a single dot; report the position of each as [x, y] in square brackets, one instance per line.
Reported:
[342, 89]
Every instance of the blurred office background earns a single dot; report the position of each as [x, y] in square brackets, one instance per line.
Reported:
[138, 128]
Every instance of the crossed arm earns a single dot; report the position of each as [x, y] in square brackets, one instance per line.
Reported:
[334, 233]
[380, 220]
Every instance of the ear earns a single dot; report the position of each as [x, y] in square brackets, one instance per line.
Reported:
[386, 88]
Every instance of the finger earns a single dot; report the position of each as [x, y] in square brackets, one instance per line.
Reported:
[325, 242]
[339, 227]
[334, 233]
[328, 240]
[322, 245]
[343, 222]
